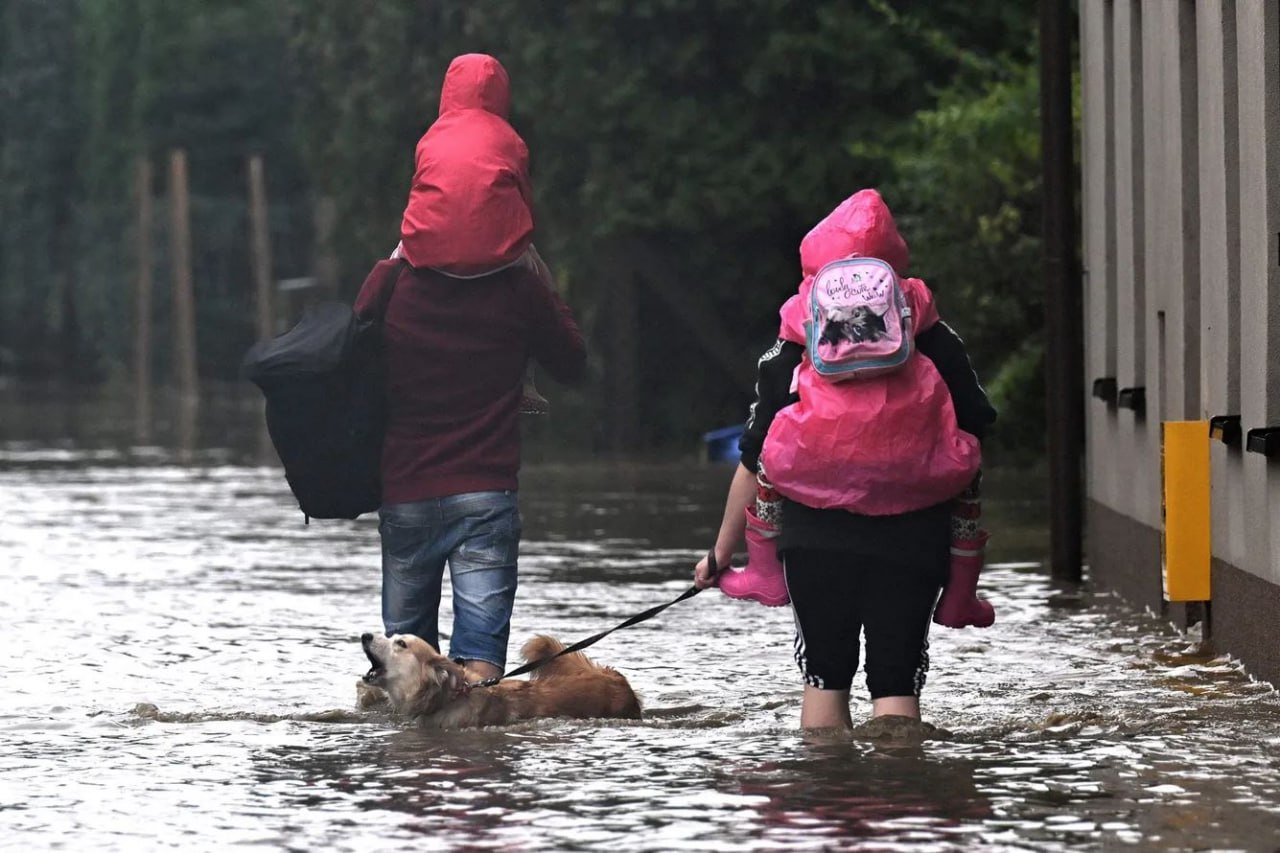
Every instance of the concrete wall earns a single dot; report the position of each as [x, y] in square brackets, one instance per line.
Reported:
[1181, 229]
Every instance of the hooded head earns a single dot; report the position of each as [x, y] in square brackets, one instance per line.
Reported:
[470, 210]
[476, 81]
[861, 225]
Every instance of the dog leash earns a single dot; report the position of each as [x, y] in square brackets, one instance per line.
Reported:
[595, 638]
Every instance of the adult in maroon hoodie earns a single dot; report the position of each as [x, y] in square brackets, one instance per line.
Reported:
[461, 322]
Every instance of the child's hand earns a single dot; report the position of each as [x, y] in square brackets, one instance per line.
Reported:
[703, 577]
[703, 573]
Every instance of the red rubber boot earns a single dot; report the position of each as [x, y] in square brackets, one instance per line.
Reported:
[762, 578]
[960, 606]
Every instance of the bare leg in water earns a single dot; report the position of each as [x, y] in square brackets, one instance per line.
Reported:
[829, 709]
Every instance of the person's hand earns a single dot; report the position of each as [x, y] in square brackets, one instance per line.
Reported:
[703, 577]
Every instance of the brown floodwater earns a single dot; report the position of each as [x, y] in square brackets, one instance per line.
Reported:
[181, 654]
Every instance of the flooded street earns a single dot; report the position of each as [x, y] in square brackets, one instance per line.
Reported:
[181, 655]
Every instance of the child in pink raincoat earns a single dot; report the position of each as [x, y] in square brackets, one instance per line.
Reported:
[862, 475]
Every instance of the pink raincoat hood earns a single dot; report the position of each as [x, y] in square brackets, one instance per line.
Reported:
[862, 225]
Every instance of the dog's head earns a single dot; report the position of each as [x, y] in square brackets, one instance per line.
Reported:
[417, 678]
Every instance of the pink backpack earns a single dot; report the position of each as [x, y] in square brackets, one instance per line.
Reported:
[860, 322]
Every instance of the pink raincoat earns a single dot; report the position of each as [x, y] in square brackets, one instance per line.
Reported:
[878, 446]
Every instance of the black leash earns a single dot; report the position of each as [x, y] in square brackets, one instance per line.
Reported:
[592, 640]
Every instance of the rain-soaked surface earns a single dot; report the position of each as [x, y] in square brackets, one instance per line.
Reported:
[180, 658]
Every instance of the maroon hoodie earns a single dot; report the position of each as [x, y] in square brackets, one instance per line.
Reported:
[456, 356]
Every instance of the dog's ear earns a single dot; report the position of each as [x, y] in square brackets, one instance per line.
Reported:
[446, 673]
[441, 680]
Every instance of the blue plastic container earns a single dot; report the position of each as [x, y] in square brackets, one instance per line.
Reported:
[722, 444]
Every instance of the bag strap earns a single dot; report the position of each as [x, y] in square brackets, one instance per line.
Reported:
[384, 304]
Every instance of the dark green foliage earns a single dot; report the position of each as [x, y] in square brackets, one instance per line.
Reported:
[41, 121]
[966, 188]
[677, 142]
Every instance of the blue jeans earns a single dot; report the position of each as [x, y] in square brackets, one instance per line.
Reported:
[478, 535]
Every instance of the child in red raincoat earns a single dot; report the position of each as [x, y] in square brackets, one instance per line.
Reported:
[470, 209]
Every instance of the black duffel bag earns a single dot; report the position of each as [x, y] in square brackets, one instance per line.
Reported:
[325, 385]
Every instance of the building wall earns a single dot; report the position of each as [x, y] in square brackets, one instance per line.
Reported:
[1181, 230]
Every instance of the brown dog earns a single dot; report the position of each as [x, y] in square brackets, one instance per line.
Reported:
[425, 684]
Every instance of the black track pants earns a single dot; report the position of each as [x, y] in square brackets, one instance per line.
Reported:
[836, 595]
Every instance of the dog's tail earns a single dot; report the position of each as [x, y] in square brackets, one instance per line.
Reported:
[543, 646]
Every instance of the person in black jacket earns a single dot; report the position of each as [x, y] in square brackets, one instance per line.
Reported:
[847, 572]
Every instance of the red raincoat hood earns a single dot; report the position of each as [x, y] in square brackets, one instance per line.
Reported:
[861, 225]
[470, 210]
[476, 81]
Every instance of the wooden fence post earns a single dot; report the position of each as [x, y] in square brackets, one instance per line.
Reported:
[184, 314]
[263, 276]
[260, 244]
[142, 302]
[184, 305]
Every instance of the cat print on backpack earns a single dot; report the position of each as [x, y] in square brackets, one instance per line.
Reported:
[856, 324]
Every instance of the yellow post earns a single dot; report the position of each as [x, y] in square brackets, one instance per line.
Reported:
[1187, 522]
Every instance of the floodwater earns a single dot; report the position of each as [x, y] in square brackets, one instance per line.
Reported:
[181, 653]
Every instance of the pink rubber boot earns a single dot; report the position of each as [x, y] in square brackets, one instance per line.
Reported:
[960, 606]
[761, 579]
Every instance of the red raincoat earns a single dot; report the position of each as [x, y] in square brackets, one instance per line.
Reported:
[470, 210]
